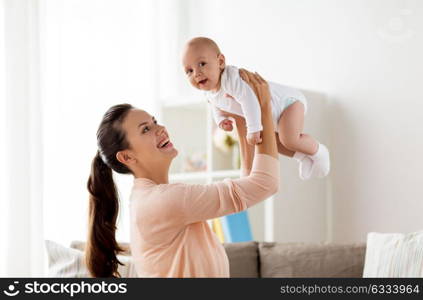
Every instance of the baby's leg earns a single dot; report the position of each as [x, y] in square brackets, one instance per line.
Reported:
[282, 149]
[290, 127]
[313, 156]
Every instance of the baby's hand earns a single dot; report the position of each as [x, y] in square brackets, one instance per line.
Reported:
[226, 125]
[254, 138]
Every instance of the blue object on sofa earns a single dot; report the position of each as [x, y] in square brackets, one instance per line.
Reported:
[236, 227]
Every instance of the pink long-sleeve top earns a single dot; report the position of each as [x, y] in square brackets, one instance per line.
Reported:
[169, 235]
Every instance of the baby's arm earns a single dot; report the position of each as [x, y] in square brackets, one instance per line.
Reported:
[217, 114]
[222, 121]
[241, 91]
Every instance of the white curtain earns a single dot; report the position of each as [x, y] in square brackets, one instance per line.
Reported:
[21, 247]
[63, 64]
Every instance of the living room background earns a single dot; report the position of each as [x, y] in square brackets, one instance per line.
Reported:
[63, 63]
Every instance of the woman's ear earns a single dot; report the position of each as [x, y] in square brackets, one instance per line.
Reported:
[125, 157]
[221, 59]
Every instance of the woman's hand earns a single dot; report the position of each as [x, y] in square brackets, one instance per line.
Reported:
[258, 84]
[261, 89]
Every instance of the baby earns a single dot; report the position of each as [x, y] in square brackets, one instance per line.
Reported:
[206, 70]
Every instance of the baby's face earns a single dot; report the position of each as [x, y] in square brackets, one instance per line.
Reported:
[203, 67]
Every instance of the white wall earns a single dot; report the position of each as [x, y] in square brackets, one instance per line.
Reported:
[366, 57]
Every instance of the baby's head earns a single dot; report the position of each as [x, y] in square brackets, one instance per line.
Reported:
[203, 63]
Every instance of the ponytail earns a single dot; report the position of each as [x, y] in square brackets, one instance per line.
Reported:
[102, 247]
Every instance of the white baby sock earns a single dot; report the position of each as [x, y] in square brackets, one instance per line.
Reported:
[306, 164]
[321, 162]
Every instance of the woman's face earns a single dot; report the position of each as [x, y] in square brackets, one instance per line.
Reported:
[149, 143]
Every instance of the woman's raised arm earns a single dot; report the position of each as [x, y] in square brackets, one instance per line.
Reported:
[261, 89]
[204, 202]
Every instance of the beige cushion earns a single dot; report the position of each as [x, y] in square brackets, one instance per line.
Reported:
[69, 262]
[311, 260]
[394, 255]
[81, 246]
[243, 259]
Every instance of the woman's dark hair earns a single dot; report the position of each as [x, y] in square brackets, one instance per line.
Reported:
[102, 248]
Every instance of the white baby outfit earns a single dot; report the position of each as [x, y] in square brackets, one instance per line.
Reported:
[245, 101]
[245, 104]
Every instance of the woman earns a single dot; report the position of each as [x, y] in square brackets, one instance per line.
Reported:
[169, 233]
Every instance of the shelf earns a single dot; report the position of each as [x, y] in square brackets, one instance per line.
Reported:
[204, 175]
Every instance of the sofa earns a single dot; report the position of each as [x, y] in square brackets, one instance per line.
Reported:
[264, 259]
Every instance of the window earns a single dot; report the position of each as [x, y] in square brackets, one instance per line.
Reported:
[95, 54]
